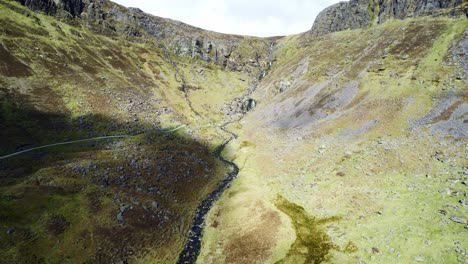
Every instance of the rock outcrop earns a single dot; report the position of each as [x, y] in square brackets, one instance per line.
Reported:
[343, 16]
[231, 51]
[415, 8]
[238, 53]
[46, 6]
[51, 7]
[364, 13]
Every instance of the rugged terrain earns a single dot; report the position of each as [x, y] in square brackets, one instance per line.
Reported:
[350, 139]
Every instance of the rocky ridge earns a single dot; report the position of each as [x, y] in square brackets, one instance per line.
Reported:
[364, 13]
[238, 53]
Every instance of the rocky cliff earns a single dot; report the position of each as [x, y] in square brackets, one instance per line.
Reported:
[363, 13]
[239, 53]
[52, 7]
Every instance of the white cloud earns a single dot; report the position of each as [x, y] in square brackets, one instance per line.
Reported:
[245, 17]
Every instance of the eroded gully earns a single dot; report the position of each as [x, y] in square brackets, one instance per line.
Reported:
[192, 248]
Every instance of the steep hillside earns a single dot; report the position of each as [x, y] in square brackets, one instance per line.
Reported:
[108, 18]
[68, 77]
[344, 144]
[356, 152]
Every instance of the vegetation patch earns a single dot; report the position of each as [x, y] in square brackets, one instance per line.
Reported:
[312, 242]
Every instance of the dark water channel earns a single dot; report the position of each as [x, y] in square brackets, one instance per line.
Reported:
[192, 249]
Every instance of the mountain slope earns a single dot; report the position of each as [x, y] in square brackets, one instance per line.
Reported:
[66, 78]
[355, 153]
[106, 17]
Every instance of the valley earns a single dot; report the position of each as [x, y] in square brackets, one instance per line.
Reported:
[129, 138]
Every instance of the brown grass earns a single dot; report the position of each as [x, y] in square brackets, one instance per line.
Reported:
[10, 66]
[255, 246]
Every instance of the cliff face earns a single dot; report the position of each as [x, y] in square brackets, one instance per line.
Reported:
[410, 8]
[342, 16]
[234, 52]
[73, 7]
[363, 13]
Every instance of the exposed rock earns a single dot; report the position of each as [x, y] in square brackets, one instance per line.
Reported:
[176, 37]
[419, 259]
[453, 125]
[74, 7]
[46, 6]
[119, 217]
[282, 86]
[390, 9]
[458, 220]
[363, 13]
[239, 106]
[123, 208]
[154, 205]
[51, 7]
[459, 53]
[444, 212]
[249, 104]
[344, 15]
[10, 231]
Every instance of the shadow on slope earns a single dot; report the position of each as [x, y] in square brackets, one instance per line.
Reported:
[100, 201]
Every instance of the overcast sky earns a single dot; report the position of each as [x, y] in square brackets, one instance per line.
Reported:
[246, 17]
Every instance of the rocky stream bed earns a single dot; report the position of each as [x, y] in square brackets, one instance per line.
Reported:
[192, 249]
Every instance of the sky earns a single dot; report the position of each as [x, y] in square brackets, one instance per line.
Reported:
[263, 18]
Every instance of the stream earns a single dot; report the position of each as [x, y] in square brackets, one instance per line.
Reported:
[192, 248]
